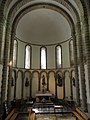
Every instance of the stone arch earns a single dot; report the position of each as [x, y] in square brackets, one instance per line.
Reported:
[64, 13]
[38, 6]
[44, 74]
[51, 81]
[8, 38]
[35, 82]
[60, 86]
[87, 46]
[67, 84]
[19, 85]
[27, 84]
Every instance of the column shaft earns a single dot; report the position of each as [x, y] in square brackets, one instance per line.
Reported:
[76, 70]
[5, 63]
[87, 47]
[82, 71]
[10, 68]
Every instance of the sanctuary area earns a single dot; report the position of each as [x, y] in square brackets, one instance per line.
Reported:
[44, 59]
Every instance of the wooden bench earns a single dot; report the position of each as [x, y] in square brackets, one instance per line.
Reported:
[12, 115]
[32, 115]
[80, 115]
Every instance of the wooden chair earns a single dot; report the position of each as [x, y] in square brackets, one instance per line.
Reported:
[80, 115]
[12, 115]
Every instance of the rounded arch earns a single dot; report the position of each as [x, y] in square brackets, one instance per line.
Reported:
[58, 56]
[60, 71]
[38, 6]
[35, 71]
[42, 72]
[20, 71]
[64, 3]
[27, 56]
[29, 72]
[15, 6]
[66, 71]
[51, 71]
[43, 78]
[51, 81]
[19, 84]
[67, 84]
[35, 82]
[43, 51]
[27, 84]
[60, 84]
[51, 6]
[72, 71]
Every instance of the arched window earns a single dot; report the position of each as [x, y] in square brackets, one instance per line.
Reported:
[27, 56]
[58, 56]
[43, 57]
[71, 52]
[15, 50]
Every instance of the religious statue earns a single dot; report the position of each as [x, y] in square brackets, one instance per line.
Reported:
[73, 80]
[43, 80]
[59, 80]
[27, 82]
[43, 83]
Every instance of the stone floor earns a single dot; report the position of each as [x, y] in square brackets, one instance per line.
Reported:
[54, 117]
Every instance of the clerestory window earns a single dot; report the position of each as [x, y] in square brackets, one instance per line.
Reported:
[58, 56]
[15, 50]
[43, 55]
[27, 56]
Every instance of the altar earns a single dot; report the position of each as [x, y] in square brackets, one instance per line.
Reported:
[43, 96]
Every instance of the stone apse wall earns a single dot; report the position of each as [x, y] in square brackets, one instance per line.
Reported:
[33, 78]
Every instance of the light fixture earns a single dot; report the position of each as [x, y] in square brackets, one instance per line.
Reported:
[10, 63]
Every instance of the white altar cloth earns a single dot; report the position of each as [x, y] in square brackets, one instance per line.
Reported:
[47, 93]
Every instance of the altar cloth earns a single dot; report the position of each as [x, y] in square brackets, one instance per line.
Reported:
[47, 93]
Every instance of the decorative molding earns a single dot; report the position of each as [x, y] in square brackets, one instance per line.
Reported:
[44, 44]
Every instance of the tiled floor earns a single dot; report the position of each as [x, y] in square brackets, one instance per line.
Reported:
[54, 117]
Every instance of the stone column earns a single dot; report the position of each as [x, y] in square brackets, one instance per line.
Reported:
[87, 47]
[22, 89]
[2, 21]
[9, 84]
[82, 71]
[30, 86]
[76, 69]
[15, 85]
[39, 83]
[71, 86]
[5, 62]
[55, 86]
[47, 82]
[64, 86]
[10, 67]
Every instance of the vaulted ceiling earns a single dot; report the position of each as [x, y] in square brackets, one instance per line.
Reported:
[43, 21]
[43, 26]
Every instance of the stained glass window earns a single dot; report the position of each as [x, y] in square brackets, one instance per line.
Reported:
[15, 48]
[58, 56]
[27, 56]
[43, 57]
